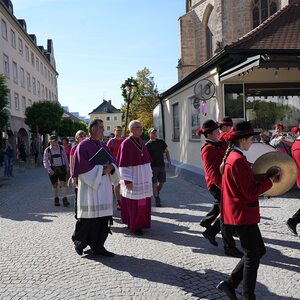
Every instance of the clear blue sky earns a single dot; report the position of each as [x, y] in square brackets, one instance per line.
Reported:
[98, 44]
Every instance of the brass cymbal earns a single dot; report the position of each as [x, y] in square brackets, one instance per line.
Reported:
[288, 169]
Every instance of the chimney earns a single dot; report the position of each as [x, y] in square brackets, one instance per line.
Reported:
[109, 101]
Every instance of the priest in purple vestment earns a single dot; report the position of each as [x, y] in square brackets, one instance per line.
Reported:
[95, 198]
[134, 164]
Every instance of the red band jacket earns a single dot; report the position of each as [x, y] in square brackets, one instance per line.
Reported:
[296, 156]
[212, 154]
[239, 201]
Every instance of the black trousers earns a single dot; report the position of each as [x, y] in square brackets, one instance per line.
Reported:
[246, 270]
[213, 216]
[91, 232]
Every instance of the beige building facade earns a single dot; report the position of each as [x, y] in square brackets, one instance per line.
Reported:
[30, 72]
[209, 25]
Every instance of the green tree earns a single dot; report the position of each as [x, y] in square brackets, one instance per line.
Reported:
[3, 101]
[43, 117]
[68, 127]
[145, 99]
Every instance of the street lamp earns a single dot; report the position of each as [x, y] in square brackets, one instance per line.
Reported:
[128, 93]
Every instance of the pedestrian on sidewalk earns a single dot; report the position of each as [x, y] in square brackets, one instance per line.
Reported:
[56, 163]
[295, 219]
[240, 208]
[136, 180]
[95, 198]
[212, 153]
[114, 145]
[158, 149]
[8, 155]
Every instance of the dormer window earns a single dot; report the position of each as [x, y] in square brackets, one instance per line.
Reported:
[105, 109]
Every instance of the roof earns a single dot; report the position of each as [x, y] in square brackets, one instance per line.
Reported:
[280, 31]
[109, 108]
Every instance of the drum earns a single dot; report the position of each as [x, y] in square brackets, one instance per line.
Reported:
[256, 150]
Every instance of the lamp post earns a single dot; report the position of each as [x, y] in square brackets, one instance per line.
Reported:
[128, 92]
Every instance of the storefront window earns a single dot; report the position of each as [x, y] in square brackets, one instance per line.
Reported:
[234, 100]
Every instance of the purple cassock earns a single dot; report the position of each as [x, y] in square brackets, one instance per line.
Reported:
[84, 151]
[134, 164]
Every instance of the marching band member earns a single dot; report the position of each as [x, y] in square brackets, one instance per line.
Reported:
[295, 219]
[240, 209]
[212, 154]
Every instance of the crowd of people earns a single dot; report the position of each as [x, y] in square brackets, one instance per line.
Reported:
[136, 172]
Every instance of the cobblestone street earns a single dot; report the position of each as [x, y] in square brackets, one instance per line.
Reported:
[172, 260]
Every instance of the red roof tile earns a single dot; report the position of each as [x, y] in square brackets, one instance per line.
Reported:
[280, 31]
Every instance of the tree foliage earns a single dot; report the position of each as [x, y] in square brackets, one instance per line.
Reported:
[44, 116]
[144, 101]
[68, 127]
[3, 101]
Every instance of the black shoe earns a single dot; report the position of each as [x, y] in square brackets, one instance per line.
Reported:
[292, 226]
[204, 223]
[157, 202]
[78, 248]
[234, 252]
[226, 288]
[56, 201]
[138, 232]
[210, 237]
[66, 203]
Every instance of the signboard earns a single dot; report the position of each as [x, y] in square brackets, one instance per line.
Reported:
[204, 90]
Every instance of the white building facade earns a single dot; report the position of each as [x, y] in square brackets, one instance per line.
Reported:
[30, 71]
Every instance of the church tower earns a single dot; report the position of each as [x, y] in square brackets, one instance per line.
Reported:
[209, 25]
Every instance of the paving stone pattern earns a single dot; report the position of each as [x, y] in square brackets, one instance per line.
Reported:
[171, 260]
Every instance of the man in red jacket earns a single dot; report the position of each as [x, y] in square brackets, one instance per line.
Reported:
[295, 219]
[212, 154]
[240, 209]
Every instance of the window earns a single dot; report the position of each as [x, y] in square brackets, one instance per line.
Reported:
[29, 102]
[32, 58]
[15, 72]
[6, 65]
[20, 46]
[107, 128]
[28, 82]
[46, 93]
[104, 109]
[107, 118]
[234, 100]
[195, 117]
[22, 77]
[43, 92]
[37, 64]
[13, 38]
[8, 99]
[39, 89]
[17, 101]
[33, 86]
[262, 10]
[42, 68]
[115, 118]
[4, 29]
[27, 53]
[23, 103]
[48, 75]
[176, 132]
[45, 72]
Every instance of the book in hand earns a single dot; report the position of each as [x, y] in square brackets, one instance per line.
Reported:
[101, 157]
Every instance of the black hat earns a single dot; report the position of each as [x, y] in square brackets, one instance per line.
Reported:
[53, 137]
[241, 129]
[226, 121]
[207, 127]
